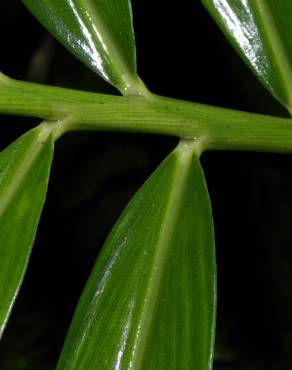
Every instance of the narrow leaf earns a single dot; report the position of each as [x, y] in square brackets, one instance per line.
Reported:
[261, 31]
[99, 32]
[150, 300]
[24, 173]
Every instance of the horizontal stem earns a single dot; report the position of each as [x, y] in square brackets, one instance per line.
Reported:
[217, 128]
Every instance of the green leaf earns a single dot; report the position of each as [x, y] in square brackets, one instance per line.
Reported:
[24, 173]
[99, 32]
[150, 300]
[261, 31]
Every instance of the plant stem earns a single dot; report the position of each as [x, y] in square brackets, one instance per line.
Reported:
[217, 128]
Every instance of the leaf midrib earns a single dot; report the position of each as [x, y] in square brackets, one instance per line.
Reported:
[162, 249]
[122, 71]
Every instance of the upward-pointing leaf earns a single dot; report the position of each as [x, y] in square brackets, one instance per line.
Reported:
[150, 300]
[261, 31]
[99, 32]
[24, 173]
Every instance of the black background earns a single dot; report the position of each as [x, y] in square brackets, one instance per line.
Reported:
[181, 54]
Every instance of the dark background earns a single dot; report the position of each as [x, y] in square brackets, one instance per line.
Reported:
[181, 54]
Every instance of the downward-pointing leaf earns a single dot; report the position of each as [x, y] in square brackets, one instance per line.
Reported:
[261, 30]
[99, 32]
[150, 300]
[24, 173]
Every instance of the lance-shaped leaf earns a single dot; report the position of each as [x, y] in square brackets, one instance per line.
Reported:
[24, 173]
[99, 32]
[150, 300]
[261, 31]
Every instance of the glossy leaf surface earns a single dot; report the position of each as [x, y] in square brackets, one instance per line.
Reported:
[99, 32]
[24, 173]
[261, 31]
[150, 300]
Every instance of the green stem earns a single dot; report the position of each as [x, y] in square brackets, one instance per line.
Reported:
[216, 128]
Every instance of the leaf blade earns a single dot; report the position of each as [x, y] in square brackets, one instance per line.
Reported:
[24, 172]
[98, 32]
[260, 30]
[117, 323]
